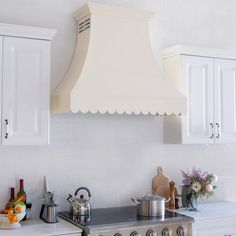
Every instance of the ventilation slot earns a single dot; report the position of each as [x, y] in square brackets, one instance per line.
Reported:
[84, 25]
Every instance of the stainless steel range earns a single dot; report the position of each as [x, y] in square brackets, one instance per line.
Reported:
[123, 221]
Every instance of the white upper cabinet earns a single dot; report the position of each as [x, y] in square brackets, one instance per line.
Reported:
[0, 87]
[26, 94]
[25, 82]
[197, 79]
[225, 100]
[207, 78]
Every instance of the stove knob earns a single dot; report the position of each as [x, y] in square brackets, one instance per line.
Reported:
[135, 234]
[181, 231]
[166, 232]
[151, 233]
[118, 234]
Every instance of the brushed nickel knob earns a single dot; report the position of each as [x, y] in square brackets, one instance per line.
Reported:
[181, 231]
[166, 232]
[151, 233]
[135, 234]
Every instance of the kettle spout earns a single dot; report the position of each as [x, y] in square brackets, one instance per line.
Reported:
[69, 199]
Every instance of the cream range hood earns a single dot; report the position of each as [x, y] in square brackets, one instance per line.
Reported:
[113, 68]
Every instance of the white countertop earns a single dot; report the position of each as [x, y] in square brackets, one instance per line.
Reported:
[37, 227]
[211, 210]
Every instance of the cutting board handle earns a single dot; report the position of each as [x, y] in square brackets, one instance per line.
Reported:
[159, 170]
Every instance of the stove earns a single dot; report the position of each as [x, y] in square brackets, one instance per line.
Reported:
[123, 221]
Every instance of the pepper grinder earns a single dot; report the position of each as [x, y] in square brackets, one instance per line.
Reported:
[172, 196]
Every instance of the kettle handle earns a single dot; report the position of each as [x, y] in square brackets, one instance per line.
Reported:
[41, 212]
[83, 188]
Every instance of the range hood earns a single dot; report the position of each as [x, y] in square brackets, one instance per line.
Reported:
[113, 68]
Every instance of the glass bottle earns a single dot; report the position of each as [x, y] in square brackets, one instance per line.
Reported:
[22, 190]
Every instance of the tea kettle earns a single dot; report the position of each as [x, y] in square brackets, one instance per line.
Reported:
[80, 206]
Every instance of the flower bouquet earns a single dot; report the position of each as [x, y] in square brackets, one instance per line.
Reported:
[198, 184]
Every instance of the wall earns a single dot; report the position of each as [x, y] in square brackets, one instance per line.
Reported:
[116, 156]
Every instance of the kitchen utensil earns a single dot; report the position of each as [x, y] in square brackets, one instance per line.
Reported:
[50, 214]
[80, 206]
[45, 184]
[160, 183]
[151, 205]
[172, 196]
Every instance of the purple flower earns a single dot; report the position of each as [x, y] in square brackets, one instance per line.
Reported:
[198, 174]
[187, 182]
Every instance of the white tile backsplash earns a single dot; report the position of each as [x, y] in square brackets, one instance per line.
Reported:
[115, 162]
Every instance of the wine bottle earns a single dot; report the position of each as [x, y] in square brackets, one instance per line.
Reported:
[22, 191]
[10, 203]
[12, 194]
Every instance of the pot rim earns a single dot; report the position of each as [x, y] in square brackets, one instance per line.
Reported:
[151, 197]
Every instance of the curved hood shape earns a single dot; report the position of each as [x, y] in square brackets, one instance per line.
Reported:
[113, 69]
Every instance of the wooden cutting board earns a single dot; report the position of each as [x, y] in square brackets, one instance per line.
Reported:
[160, 184]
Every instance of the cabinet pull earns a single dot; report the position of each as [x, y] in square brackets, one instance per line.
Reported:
[6, 129]
[212, 130]
[218, 130]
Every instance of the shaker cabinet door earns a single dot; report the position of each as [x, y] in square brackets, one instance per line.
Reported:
[197, 125]
[26, 91]
[0, 86]
[225, 100]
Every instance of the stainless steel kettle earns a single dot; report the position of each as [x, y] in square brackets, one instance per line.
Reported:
[80, 206]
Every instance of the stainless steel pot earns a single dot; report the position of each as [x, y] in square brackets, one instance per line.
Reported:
[151, 205]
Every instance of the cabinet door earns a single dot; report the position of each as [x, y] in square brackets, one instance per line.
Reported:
[225, 100]
[0, 86]
[198, 88]
[26, 91]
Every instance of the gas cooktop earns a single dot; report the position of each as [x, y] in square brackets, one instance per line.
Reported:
[120, 218]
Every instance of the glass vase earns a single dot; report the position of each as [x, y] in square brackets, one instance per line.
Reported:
[194, 204]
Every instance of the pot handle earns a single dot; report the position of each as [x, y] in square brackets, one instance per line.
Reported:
[135, 201]
[167, 199]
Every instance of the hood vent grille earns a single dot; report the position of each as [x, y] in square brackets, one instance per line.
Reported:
[84, 25]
